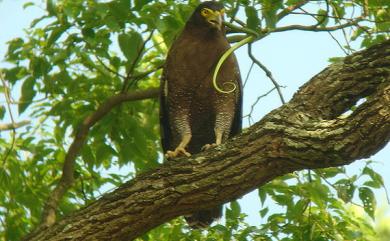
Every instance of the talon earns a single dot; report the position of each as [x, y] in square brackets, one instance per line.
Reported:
[179, 151]
[208, 146]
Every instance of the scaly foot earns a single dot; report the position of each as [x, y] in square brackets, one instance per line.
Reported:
[179, 151]
[208, 146]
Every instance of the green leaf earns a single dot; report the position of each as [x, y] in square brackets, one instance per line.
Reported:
[269, 9]
[88, 32]
[130, 45]
[13, 46]
[322, 18]
[336, 59]
[356, 33]
[2, 111]
[252, 21]
[50, 7]
[296, 211]
[55, 34]
[330, 172]
[28, 4]
[236, 209]
[262, 195]
[28, 93]
[5, 179]
[377, 180]
[138, 4]
[338, 12]
[282, 200]
[368, 198]
[346, 190]
[39, 66]
[263, 212]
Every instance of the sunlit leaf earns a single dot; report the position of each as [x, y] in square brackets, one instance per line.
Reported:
[130, 44]
[368, 198]
[253, 20]
[28, 94]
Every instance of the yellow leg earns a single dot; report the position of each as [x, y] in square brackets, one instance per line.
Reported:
[218, 140]
[218, 137]
[180, 149]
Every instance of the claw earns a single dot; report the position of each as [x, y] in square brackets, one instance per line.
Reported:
[208, 146]
[179, 151]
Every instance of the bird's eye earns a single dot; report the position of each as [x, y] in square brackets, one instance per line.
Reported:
[206, 12]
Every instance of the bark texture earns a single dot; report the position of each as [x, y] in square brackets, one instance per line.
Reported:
[311, 131]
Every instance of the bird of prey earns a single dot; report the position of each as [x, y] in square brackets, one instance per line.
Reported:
[194, 116]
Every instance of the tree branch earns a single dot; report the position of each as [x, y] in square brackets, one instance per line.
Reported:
[315, 28]
[290, 9]
[307, 132]
[12, 126]
[67, 179]
[267, 72]
[129, 77]
[8, 100]
[264, 32]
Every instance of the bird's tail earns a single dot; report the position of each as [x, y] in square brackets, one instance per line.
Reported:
[203, 218]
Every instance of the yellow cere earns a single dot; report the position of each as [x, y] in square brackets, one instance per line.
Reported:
[206, 12]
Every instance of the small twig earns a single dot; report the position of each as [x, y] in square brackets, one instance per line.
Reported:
[83, 189]
[365, 7]
[315, 16]
[249, 73]
[129, 78]
[290, 9]
[13, 124]
[108, 68]
[249, 116]
[343, 30]
[264, 32]
[386, 194]
[338, 43]
[304, 12]
[324, 16]
[235, 11]
[236, 20]
[267, 72]
[352, 15]
[316, 29]
[22, 102]
[318, 172]
[146, 73]
[241, 29]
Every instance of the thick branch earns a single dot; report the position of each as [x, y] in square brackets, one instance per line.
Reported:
[67, 179]
[305, 133]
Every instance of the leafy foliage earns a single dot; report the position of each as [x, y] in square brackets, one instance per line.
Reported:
[80, 53]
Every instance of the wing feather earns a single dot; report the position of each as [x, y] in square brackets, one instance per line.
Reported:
[165, 131]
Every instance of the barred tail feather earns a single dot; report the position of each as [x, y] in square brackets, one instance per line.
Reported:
[203, 218]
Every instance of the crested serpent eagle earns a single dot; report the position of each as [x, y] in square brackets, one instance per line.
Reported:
[194, 116]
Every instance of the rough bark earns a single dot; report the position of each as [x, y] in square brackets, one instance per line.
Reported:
[310, 131]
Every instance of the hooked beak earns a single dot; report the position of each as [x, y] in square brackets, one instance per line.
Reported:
[216, 19]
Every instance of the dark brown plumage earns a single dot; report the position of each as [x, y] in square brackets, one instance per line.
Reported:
[193, 115]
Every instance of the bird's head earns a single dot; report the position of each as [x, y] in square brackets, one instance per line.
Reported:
[209, 14]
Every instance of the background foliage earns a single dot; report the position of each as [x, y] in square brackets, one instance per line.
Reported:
[80, 53]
